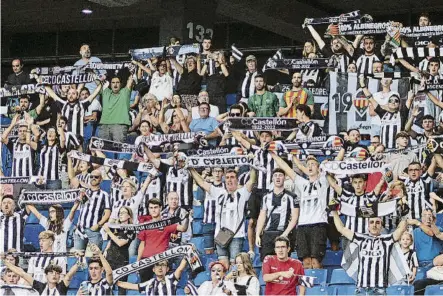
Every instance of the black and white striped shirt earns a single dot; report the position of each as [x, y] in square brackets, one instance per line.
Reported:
[264, 179]
[100, 288]
[418, 194]
[154, 190]
[357, 224]
[84, 178]
[12, 231]
[340, 62]
[75, 113]
[391, 124]
[50, 162]
[411, 259]
[37, 265]
[179, 212]
[278, 209]
[180, 181]
[248, 85]
[373, 259]
[71, 141]
[210, 204]
[168, 287]
[22, 158]
[364, 63]
[92, 211]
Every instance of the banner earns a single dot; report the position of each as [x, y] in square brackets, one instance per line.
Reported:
[352, 167]
[171, 51]
[186, 250]
[296, 64]
[382, 28]
[109, 66]
[56, 70]
[147, 226]
[48, 197]
[316, 146]
[189, 137]
[348, 106]
[114, 163]
[59, 79]
[25, 89]
[377, 209]
[261, 123]
[220, 161]
[236, 53]
[13, 134]
[353, 16]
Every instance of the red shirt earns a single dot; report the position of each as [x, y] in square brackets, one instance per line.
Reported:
[156, 240]
[373, 180]
[287, 286]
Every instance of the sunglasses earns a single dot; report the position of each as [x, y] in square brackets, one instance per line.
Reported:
[95, 177]
[394, 101]
[235, 114]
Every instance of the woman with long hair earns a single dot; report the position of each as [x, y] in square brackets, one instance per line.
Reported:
[244, 276]
[116, 251]
[56, 223]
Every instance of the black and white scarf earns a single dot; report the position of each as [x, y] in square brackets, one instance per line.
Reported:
[261, 123]
[350, 17]
[221, 161]
[236, 53]
[352, 167]
[48, 197]
[18, 180]
[148, 225]
[377, 209]
[296, 64]
[25, 89]
[416, 52]
[59, 79]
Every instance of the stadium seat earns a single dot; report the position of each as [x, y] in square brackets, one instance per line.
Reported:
[201, 278]
[105, 185]
[78, 278]
[344, 289]
[32, 219]
[131, 292]
[209, 229]
[332, 258]
[339, 276]
[132, 259]
[71, 262]
[400, 290]
[294, 255]
[198, 212]
[134, 278]
[180, 292]
[434, 290]
[198, 242]
[197, 227]
[31, 234]
[421, 273]
[72, 292]
[320, 275]
[318, 290]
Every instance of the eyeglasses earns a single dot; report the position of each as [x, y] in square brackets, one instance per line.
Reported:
[95, 177]
[124, 212]
[413, 170]
[162, 65]
[204, 108]
[235, 114]
[394, 101]
[52, 211]
[161, 265]
[216, 270]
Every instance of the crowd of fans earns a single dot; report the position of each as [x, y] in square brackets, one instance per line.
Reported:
[286, 210]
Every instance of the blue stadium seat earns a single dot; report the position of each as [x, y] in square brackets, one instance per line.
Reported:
[421, 273]
[78, 278]
[332, 258]
[134, 278]
[294, 255]
[180, 292]
[31, 234]
[132, 292]
[71, 262]
[439, 221]
[199, 243]
[201, 278]
[344, 289]
[208, 241]
[434, 290]
[198, 212]
[72, 292]
[318, 290]
[105, 185]
[197, 227]
[257, 262]
[320, 275]
[209, 228]
[339, 276]
[132, 259]
[400, 290]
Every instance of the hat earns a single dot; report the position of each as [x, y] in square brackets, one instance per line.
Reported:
[251, 57]
[402, 135]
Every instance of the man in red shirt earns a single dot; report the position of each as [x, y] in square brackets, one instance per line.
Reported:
[155, 240]
[282, 273]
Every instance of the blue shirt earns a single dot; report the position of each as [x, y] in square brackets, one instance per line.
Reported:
[91, 85]
[206, 125]
[427, 247]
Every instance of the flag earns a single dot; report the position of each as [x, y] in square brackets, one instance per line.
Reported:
[192, 288]
[277, 56]
[236, 53]
[307, 281]
[398, 267]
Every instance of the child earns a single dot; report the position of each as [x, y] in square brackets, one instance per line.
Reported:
[406, 242]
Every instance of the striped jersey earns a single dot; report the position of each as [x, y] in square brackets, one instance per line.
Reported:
[300, 97]
[418, 194]
[248, 85]
[278, 209]
[264, 158]
[357, 224]
[50, 161]
[92, 210]
[75, 113]
[364, 63]
[210, 204]
[12, 231]
[168, 287]
[22, 158]
[100, 288]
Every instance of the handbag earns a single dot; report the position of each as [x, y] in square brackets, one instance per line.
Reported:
[226, 235]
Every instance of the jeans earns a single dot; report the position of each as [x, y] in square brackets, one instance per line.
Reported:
[94, 237]
[113, 132]
[370, 291]
[53, 184]
[133, 247]
[89, 131]
[234, 248]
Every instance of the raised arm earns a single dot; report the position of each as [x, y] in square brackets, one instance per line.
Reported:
[108, 269]
[75, 207]
[401, 228]
[53, 95]
[238, 136]
[95, 93]
[20, 272]
[333, 183]
[316, 36]
[143, 67]
[434, 99]
[177, 65]
[41, 104]
[199, 180]
[367, 93]
[68, 277]
[284, 166]
[154, 160]
[130, 82]
[31, 208]
[5, 138]
[252, 180]
[349, 234]
[178, 272]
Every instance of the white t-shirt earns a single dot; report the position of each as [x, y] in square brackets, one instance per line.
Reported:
[60, 239]
[382, 99]
[161, 86]
[207, 289]
[94, 107]
[37, 265]
[232, 213]
[254, 285]
[134, 202]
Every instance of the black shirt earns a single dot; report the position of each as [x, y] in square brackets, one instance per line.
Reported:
[20, 79]
[190, 83]
[43, 289]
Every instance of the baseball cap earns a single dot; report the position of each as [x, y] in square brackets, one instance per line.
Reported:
[251, 57]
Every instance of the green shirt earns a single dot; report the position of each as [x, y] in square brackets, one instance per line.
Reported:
[115, 107]
[265, 105]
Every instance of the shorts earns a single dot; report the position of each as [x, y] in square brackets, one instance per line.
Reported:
[311, 241]
[235, 247]
[268, 244]
[255, 201]
[332, 232]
